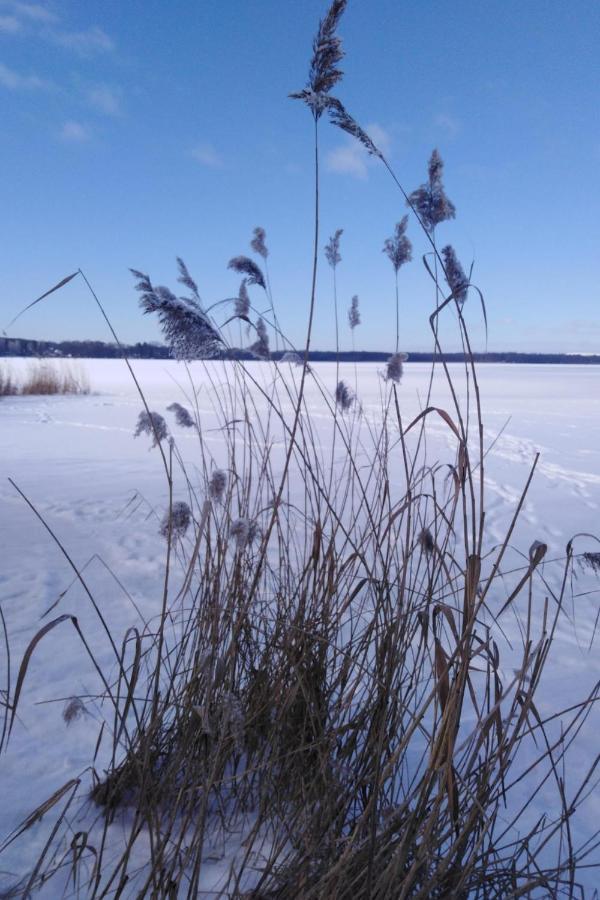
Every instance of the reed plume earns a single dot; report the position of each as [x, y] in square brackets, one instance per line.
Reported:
[332, 249]
[455, 275]
[258, 242]
[592, 561]
[394, 367]
[183, 416]
[290, 356]
[245, 531]
[74, 709]
[217, 485]
[340, 116]
[186, 279]
[343, 396]
[327, 53]
[354, 313]
[176, 521]
[152, 424]
[248, 267]
[242, 301]
[186, 327]
[260, 347]
[429, 200]
[398, 248]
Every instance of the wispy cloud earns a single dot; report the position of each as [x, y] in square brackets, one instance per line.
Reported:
[351, 158]
[85, 43]
[14, 81]
[105, 99]
[34, 12]
[75, 133]
[9, 25]
[348, 159]
[206, 155]
[447, 123]
[38, 20]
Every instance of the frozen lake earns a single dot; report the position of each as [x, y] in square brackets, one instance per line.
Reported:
[103, 493]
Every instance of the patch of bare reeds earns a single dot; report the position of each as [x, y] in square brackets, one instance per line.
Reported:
[7, 383]
[45, 377]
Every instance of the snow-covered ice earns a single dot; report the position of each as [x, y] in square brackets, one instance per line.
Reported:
[103, 494]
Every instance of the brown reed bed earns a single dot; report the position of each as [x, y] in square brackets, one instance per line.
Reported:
[45, 377]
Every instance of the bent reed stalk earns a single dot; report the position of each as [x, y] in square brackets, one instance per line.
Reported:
[326, 674]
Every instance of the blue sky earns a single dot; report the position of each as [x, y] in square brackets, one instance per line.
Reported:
[135, 130]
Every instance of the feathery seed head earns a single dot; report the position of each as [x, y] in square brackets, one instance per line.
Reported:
[435, 167]
[426, 541]
[242, 302]
[343, 396]
[248, 267]
[186, 279]
[153, 425]
[290, 356]
[430, 200]
[353, 313]
[398, 247]
[260, 347]
[258, 242]
[332, 248]
[217, 485]
[592, 561]
[176, 521]
[186, 327]
[245, 531]
[341, 117]
[183, 416]
[455, 275]
[74, 709]
[327, 53]
[394, 368]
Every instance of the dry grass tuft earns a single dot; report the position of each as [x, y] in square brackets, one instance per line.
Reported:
[46, 377]
[8, 386]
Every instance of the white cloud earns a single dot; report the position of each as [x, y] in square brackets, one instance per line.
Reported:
[105, 99]
[84, 43]
[14, 81]
[351, 158]
[206, 155]
[380, 137]
[75, 132]
[39, 20]
[348, 159]
[9, 25]
[447, 123]
[35, 12]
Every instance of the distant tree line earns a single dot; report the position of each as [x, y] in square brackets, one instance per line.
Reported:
[100, 349]
[81, 349]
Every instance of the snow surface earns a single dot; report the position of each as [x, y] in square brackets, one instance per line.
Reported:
[103, 494]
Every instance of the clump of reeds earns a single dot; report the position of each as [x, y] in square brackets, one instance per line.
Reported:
[8, 386]
[46, 377]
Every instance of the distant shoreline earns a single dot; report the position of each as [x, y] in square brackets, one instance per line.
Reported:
[19, 347]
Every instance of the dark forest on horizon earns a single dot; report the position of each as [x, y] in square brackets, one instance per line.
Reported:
[103, 350]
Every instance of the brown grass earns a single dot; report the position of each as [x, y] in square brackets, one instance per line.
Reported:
[7, 384]
[45, 377]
